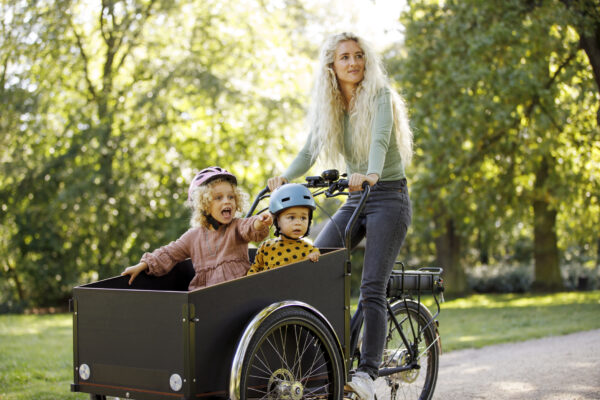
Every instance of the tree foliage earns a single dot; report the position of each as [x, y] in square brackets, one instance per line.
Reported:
[108, 108]
[508, 148]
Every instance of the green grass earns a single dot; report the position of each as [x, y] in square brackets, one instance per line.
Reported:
[36, 357]
[36, 351]
[482, 320]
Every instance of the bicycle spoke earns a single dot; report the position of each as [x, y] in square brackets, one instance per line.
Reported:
[263, 361]
[300, 356]
[316, 390]
[311, 368]
[277, 352]
[283, 338]
[433, 343]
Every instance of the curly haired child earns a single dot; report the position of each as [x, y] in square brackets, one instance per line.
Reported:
[217, 242]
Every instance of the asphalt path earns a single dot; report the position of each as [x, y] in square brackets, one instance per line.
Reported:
[553, 368]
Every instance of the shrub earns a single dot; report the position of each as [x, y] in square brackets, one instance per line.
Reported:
[502, 278]
[506, 278]
[9, 303]
[577, 276]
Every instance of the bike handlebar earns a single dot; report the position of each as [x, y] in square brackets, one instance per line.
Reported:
[329, 179]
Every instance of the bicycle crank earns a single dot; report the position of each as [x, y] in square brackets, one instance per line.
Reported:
[402, 359]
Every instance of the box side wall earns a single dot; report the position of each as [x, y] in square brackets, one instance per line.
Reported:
[132, 341]
[224, 310]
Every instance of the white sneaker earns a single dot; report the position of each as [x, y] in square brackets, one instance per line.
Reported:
[363, 386]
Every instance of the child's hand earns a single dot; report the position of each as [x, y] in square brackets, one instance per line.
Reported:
[314, 256]
[264, 220]
[134, 271]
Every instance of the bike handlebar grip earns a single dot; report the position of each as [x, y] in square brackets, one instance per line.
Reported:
[343, 183]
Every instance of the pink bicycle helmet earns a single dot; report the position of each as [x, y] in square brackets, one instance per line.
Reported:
[210, 174]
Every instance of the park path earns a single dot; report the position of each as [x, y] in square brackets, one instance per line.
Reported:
[553, 368]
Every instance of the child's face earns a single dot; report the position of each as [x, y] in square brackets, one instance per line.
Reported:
[293, 222]
[223, 206]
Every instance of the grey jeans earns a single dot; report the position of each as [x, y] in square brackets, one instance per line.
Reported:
[384, 221]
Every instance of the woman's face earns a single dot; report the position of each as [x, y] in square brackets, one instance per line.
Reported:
[222, 207]
[349, 63]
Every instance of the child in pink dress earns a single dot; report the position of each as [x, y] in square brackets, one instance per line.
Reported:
[217, 242]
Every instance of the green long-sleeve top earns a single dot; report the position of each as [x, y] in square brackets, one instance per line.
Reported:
[384, 155]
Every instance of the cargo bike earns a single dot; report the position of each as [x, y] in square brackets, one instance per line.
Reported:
[281, 334]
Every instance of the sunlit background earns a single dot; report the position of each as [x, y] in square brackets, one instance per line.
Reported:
[108, 109]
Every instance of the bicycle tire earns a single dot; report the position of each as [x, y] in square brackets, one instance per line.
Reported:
[414, 383]
[292, 355]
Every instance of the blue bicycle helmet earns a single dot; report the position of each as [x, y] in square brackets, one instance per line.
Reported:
[288, 196]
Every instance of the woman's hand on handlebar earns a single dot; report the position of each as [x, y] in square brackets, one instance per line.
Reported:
[274, 183]
[356, 180]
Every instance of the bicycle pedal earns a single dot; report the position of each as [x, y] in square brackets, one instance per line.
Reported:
[349, 394]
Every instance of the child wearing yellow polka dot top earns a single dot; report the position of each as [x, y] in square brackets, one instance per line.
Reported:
[292, 206]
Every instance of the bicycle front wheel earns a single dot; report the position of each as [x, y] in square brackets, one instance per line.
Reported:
[292, 356]
[418, 381]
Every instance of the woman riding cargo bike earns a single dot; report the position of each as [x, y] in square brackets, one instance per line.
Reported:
[357, 119]
[409, 362]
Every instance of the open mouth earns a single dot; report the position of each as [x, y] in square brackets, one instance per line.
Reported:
[226, 212]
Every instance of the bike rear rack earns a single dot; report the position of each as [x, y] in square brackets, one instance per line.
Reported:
[408, 283]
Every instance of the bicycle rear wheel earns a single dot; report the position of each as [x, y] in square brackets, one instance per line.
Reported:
[417, 383]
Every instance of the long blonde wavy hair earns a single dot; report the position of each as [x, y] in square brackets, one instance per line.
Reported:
[202, 196]
[325, 116]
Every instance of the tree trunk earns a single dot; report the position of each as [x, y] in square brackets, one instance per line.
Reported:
[598, 253]
[447, 247]
[591, 45]
[545, 249]
[18, 286]
[483, 246]
[589, 35]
